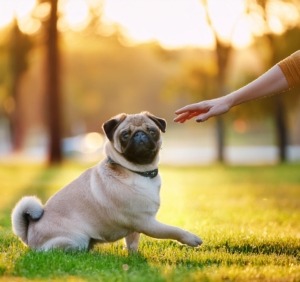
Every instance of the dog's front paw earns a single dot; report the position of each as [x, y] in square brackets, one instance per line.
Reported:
[191, 240]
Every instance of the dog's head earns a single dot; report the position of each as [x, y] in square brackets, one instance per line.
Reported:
[136, 136]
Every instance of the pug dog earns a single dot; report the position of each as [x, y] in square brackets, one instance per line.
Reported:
[117, 198]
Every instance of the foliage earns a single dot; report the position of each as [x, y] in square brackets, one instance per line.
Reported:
[248, 218]
[116, 78]
[102, 75]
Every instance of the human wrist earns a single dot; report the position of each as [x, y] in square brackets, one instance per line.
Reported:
[229, 100]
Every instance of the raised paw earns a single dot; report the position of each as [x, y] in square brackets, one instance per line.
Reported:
[191, 240]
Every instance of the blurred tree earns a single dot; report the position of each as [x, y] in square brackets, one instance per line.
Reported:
[192, 77]
[116, 79]
[19, 47]
[223, 50]
[53, 87]
[276, 54]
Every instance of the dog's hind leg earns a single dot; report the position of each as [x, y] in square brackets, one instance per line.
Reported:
[64, 243]
[132, 241]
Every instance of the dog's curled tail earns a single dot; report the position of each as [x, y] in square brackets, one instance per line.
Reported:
[27, 209]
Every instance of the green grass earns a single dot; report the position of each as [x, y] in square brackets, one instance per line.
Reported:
[248, 218]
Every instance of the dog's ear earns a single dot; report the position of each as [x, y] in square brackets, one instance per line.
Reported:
[160, 122]
[110, 126]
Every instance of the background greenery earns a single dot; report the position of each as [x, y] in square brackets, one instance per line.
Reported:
[87, 74]
[248, 218]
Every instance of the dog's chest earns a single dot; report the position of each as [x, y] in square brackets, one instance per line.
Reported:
[143, 194]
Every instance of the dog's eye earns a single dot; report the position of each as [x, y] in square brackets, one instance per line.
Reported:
[125, 135]
[152, 132]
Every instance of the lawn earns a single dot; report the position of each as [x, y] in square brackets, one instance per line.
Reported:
[248, 218]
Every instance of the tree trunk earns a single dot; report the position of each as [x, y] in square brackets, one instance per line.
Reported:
[19, 47]
[279, 111]
[223, 52]
[220, 132]
[281, 129]
[16, 121]
[53, 88]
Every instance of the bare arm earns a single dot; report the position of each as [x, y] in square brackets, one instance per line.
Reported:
[271, 82]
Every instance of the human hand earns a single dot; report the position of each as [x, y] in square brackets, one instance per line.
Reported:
[202, 110]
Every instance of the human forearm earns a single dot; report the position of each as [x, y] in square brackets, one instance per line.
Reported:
[271, 82]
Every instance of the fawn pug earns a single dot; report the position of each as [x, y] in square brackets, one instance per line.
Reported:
[117, 198]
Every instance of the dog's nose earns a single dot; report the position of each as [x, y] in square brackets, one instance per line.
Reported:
[141, 137]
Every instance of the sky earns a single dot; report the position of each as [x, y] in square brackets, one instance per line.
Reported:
[178, 23]
[173, 23]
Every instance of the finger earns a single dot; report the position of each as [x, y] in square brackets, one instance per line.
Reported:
[205, 116]
[202, 118]
[192, 115]
[188, 108]
[181, 117]
[185, 116]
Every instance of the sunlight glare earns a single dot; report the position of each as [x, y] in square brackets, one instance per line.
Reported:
[19, 9]
[91, 142]
[281, 16]
[29, 26]
[173, 23]
[6, 12]
[76, 14]
[42, 11]
[23, 8]
[230, 22]
[242, 34]
[180, 23]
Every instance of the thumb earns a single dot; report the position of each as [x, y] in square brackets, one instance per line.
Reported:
[203, 117]
[211, 113]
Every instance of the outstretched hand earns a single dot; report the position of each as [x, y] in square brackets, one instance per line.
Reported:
[202, 110]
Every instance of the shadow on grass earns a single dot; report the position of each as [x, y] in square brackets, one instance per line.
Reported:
[289, 247]
[242, 254]
[157, 261]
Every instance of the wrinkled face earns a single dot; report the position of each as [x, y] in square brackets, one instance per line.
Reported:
[136, 137]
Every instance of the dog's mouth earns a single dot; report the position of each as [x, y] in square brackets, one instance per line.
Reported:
[138, 155]
[140, 148]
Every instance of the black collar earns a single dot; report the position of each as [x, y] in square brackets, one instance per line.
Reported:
[150, 173]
